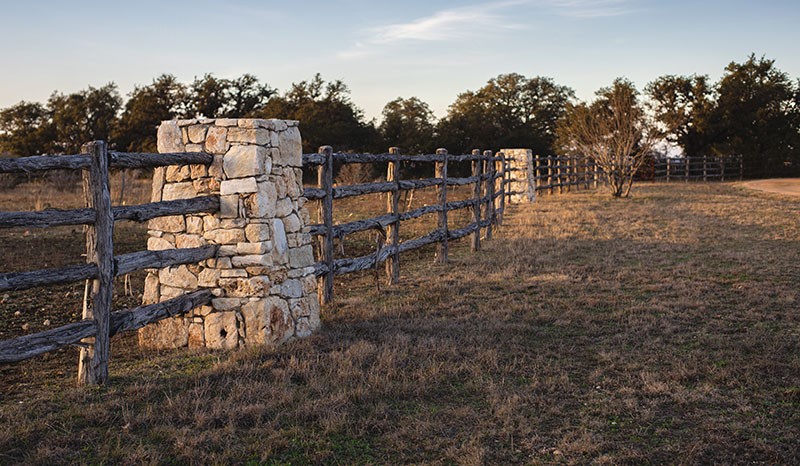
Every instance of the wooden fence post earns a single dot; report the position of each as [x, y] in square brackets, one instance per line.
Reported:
[490, 211]
[687, 168]
[93, 362]
[721, 168]
[325, 181]
[705, 168]
[392, 207]
[668, 168]
[550, 172]
[503, 188]
[441, 172]
[477, 171]
[595, 175]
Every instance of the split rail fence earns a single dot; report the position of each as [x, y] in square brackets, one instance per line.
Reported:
[99, 323]
[698, 168]
[563, 172]
[489, 172]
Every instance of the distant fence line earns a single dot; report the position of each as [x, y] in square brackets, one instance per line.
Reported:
[489, 192]
[563, 172]
[698, 168]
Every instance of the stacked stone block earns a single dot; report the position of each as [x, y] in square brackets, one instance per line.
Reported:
[262, 277]
[522, 180]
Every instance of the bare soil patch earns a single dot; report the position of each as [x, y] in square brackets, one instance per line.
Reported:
[790, 186]
[658, 329]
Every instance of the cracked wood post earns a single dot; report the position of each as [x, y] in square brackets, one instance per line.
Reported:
[93, 362]
[477, 170]
[325, 182]
[441, 190]
[502, 162]
[392, 207]
[490, 213]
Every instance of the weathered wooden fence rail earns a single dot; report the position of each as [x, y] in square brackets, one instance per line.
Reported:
[698, 168]
[488, 181]
[99, 322]
[563, 172]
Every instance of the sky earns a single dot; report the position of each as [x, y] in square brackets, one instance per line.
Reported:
[382, 50]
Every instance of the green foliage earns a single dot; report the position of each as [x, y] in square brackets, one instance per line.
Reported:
[758, 116]
[25, 129]
[509, 111]
[408, 124]
[683, 105]
[212, 97]
[327, 116]
[147, 106]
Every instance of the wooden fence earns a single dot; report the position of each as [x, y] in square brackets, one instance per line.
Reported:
[489, 172]
[99, 323]
[698, 168]
[563, 172]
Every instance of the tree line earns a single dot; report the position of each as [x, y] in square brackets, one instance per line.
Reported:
[753, 111]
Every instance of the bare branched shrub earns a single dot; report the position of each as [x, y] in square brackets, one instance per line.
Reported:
[356, 173]
[614, 131]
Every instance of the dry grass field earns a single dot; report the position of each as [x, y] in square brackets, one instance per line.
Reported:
[661, 329]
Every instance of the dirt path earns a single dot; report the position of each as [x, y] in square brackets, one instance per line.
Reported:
[778, 186]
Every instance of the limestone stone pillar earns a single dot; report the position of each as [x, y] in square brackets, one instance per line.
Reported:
[522, 181]
[262, 278]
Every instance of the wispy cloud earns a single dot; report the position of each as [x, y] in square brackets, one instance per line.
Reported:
[443, 25]
[472, 21]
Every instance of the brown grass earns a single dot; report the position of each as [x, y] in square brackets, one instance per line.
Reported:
[659, 329]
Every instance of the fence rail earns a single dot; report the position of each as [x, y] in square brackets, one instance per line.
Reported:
[563, 172]
[488, 181]
[698, 168]
[99, 322]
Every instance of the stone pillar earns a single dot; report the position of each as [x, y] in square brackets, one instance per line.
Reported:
[523, 179]
[262, 278]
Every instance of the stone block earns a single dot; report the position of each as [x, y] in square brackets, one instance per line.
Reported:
[301, 257]
[151, 289]
[244, 287]
[217, 140]
[189, 241]
[252, 260]
[170, 224]
[177, 173]
[173, 191]
[245, 161]
[229, 206]
[194, 225]
[280, 244]
[178, 277]
[198, 171]
[262, 203]
[256, 232]
[226, 304]
[223, 236]
[261, 247]
[267, 321]
[167, 333]
[258, 136]
[208, 277]
[221, 330]
[292, 223]
[291, 153]
[170, 138]
[196, 337]
[292, 289]
[159, 244]
[233, 273]
[197, 133]
[237, 186]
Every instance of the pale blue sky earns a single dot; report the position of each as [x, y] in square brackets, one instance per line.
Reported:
[382, 50]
